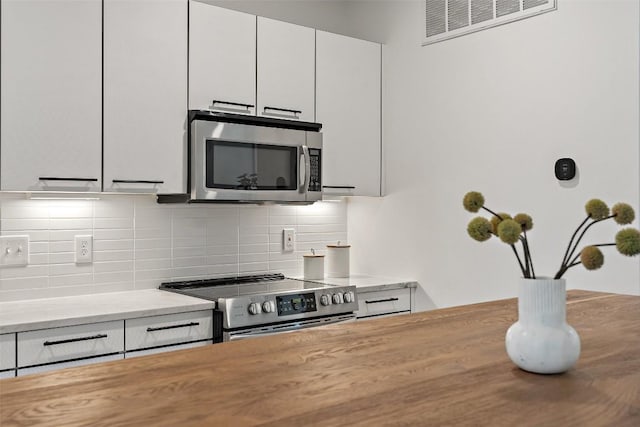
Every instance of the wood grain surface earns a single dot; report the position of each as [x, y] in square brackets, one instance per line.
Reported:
[436, 368]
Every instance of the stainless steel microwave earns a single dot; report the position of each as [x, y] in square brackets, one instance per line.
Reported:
[240, 158]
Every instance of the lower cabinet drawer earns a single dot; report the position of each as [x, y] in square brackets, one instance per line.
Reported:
[7, 351]
[148, 351]
[61, 365]
[156, 331]
[71, 342]
[384, 302]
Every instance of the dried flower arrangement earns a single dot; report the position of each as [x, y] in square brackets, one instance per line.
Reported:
[512, 230]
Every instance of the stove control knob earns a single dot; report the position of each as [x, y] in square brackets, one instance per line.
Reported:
[337, 298]
[268, 306]
[325, 299]
[255, 308]
[349, 296]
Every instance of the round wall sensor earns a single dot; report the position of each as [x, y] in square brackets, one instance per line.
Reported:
[565, 169]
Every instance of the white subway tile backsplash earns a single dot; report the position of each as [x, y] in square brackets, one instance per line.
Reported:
[11, 224]
[105, 267]
[15, 284]
[70, 280]
[139, 244]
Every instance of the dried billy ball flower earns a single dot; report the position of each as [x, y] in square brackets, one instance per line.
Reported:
[524, 220]
[495, 221]
[597, 209]
[509, 231]
[479, 229]
[473, 201]
[624, 213]
[628, 241]
[591, 258]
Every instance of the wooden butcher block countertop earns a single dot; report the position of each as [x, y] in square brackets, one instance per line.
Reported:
[442, 367]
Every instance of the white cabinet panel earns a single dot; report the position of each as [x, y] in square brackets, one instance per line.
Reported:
[286, 70]
[51, 98]
[384, 302]
[7, 374]
[7, 351]
[138, 353]
[222, 58]
[71, 342]
[147, 332]
[145, 95]
[348, 104]
[61, 365]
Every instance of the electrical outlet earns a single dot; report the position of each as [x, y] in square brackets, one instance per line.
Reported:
[84, 249]
[14, 250]
[288, 240]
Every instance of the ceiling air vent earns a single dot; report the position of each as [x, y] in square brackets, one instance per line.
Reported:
[446, 19]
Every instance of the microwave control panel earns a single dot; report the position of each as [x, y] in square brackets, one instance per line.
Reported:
[315, 183]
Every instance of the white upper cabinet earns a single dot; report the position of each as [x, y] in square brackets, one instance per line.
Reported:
[348, 104]
[222, 59]
[51, 99]
[145, 95]
[286, 66]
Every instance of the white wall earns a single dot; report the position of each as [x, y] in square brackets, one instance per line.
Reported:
[491, 112]
[138, 243]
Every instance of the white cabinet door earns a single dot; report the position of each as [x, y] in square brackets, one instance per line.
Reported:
[380, 303]
[222, 59]
[157, 350]
[348, 96]
[168, 329]
[145, 95]
[286, 70]
[7, 351]
[55, 366]
[70, 342]
[51, 87]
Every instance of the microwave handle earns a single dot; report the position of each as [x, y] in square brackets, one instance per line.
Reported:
[307, 168]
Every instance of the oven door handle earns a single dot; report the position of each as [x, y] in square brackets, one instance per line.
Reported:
[307, 169]
[286, 329]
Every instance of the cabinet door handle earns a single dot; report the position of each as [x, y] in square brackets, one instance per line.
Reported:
[235, 104]
[381, 300]
[162, 328]
[285, 110]
[348, 187]
[136, 181]
[57, 178]
[93, 337]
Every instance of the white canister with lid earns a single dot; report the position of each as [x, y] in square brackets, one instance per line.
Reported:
[313, 266]
[338, 260]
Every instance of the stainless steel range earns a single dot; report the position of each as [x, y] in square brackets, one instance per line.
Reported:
[253, 306]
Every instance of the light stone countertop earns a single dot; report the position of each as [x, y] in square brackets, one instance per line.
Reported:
[28, 315]
[366, 283]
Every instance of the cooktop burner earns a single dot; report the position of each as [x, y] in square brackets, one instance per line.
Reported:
[227, 287]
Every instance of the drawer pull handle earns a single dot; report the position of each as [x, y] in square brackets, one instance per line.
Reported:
[93, 337]
[136, 181]
[57, 178]
[347, 187]
[284, 110]
[235, 104]
[184, 325]
[382, 300]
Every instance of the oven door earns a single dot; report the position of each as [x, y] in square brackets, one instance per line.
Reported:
[265, 331]
[241, 162]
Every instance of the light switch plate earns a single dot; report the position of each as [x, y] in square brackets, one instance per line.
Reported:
[14, 251]
[288, 240]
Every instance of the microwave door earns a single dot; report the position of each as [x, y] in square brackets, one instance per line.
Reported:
[247, 163]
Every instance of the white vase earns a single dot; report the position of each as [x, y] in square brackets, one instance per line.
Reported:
[541, 341]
